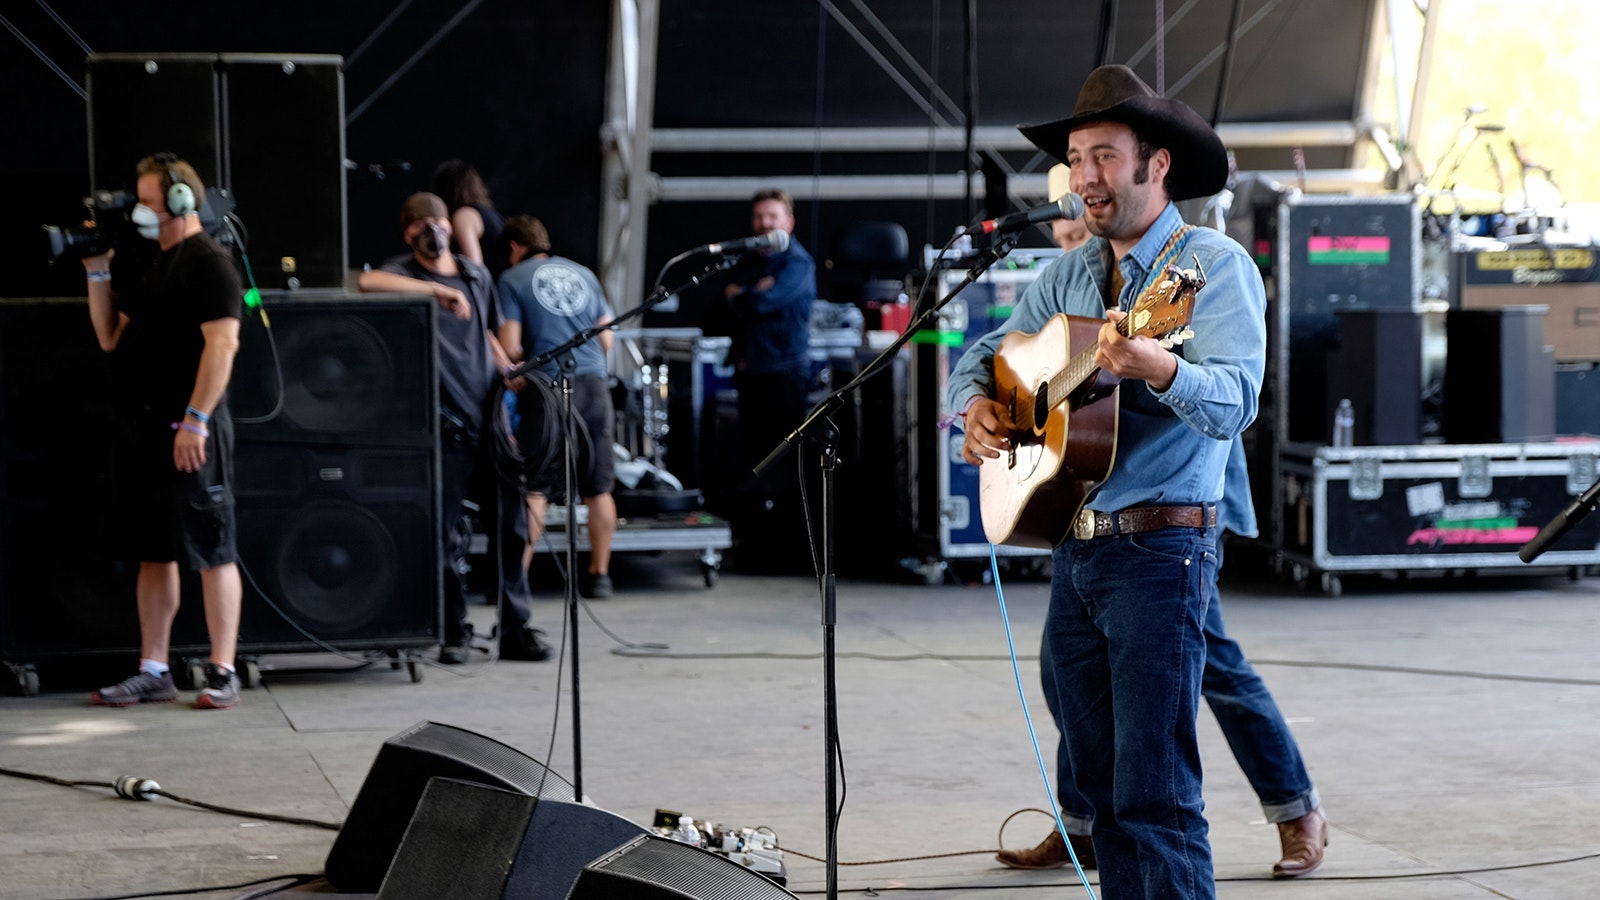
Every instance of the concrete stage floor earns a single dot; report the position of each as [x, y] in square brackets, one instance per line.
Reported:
[1451, 726]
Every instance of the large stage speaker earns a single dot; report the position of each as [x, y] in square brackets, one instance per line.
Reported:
[372, 833]
[338, 369]
[651, 867]
[341, 545]
[335, 408]
[476, 842]
[1499, 376]
[144, 103]
[269, 128]
[285, 158]
[64, 592]
[1378, 368]
[1578, 398]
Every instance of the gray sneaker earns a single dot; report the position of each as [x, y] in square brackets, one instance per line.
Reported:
[221, 690]
[141, 688]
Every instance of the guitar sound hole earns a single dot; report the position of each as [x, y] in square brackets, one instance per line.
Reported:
[1041, 406]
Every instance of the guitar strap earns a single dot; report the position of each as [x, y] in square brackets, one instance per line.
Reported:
[1168, 253]
[1174, 246]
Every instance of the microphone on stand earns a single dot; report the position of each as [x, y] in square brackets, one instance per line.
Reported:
[775, 240]
[1574, 512]
[1070, 206]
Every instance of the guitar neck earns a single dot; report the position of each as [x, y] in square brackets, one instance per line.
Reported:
[1079, 370]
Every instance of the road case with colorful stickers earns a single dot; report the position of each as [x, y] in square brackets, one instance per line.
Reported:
[1433, 507]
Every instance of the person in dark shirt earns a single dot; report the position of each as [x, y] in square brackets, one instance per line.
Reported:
[470, 359]
[476, 226]
[173, 327]
[771, 293]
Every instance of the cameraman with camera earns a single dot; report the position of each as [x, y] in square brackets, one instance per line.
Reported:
[173, 327]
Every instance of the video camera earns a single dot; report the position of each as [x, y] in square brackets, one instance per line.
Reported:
[111, 210]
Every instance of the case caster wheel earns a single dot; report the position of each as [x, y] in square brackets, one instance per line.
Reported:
[194, 674]
[1298, 574]
[709, 573]
[414, 668]
[1331, 585]
[250, 674]
[395, 660]
[26, 678]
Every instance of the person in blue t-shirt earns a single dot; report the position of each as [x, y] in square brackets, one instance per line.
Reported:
[547, 300]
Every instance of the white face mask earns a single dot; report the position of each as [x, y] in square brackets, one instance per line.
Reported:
[147, 221]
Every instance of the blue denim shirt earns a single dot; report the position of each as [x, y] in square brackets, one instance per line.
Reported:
[1173, 446]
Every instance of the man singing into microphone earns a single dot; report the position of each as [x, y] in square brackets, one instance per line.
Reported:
[770, 293]
[1128, 599]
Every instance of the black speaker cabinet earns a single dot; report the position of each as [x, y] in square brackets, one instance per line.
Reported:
[1578, 398]
[285, 165]
[341, 545]
[330, 368]
[1378, 368]
[1499, 376]
[267, 127]
[145, 103]
[651, 867]
[64, 591]
[372, 833]
[470, 840]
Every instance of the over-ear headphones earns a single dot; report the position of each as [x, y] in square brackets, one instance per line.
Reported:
[180, 195]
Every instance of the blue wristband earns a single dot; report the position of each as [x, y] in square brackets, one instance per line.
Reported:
[205, 418]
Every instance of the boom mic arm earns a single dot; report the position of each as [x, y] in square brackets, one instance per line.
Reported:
[1574, 512]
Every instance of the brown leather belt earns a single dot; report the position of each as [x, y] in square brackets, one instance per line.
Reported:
[1135, 519]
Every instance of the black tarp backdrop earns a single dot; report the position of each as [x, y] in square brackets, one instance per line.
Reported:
[515, 88]
[793, 64]
[518, 89]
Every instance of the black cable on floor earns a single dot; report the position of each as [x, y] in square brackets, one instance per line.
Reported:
[294, 881]
[134, 788]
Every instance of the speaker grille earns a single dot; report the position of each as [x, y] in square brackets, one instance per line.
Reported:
[337, 369]
[351, 559]
[372, 832]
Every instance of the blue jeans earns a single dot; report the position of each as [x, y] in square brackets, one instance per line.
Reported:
[1126, 632]
[1248, 716]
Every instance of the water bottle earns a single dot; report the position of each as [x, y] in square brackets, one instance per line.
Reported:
[1344, 424]
[689, 834]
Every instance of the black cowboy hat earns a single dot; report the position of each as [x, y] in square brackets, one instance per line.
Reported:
[1116, 94]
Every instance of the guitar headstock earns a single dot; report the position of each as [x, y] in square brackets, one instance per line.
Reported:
[1166, 308]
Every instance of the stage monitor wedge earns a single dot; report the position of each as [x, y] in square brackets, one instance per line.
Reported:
[389, 797]
[473, 841]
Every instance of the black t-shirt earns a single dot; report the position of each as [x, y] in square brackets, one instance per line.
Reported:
[466, 367]
[158, 356]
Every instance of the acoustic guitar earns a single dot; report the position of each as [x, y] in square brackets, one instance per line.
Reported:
[1064, 408]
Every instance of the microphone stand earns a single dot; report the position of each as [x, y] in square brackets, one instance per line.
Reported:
[563, 356]
[819, 427]
[1574, 512]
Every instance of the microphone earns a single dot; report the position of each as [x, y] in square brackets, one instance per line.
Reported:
[1574, 512]
[774, 240]
[1070, 206]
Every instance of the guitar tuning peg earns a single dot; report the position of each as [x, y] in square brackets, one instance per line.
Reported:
[1166, 343]
[1186, 334]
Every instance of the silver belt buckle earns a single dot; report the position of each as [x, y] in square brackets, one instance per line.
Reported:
[1083, 525]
